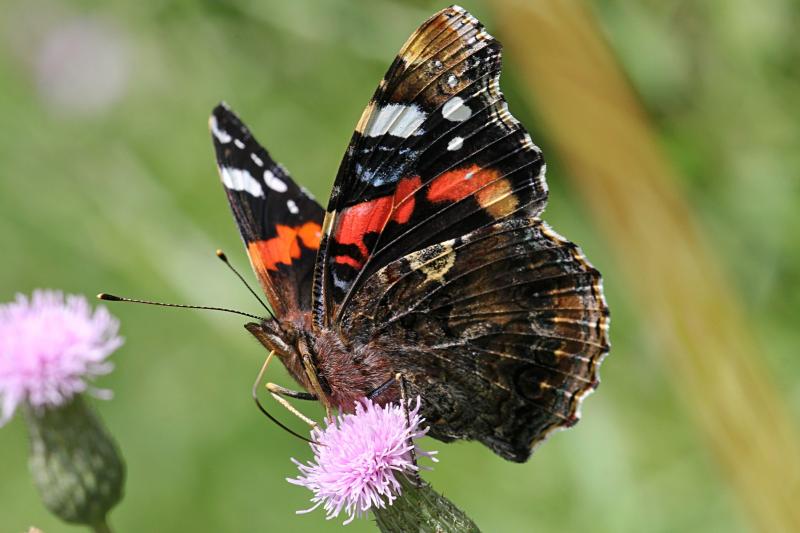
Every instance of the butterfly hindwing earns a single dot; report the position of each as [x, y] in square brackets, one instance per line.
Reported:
[435, 155]
[501, 331]
[279, 222]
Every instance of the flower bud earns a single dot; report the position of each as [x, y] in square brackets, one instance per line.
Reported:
[75, 463]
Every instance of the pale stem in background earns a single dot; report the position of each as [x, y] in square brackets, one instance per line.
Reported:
[602, 133]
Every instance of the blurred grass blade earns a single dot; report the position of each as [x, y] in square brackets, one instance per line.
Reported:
[603, 135]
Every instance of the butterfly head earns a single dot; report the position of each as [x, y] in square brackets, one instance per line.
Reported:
[292, 343]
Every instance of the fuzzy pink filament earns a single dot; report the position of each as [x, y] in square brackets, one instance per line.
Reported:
[358, 458]
[50, 346]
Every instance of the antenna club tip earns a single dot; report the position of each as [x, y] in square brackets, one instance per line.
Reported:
[221, 255]
[108, 297]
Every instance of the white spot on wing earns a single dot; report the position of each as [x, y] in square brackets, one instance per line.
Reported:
[240, 180]
[541, 177]
[455, 110]
[257, 160]
[220, 134]
[239, 144]
[400, 120]
[273, 182]
[455, 143]
[293, 209]
[342, 284]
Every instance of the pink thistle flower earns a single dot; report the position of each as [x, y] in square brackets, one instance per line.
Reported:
[50, 347]
[358, 456]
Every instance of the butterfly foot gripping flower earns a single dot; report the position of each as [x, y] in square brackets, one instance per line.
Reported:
[49, 348]
[363, 461]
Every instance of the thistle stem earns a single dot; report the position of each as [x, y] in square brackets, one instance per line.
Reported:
[101, 527]
[420, 508]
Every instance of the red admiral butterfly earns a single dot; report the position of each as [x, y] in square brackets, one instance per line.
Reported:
[431, 260]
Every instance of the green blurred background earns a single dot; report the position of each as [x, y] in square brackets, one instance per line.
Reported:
[107, 183]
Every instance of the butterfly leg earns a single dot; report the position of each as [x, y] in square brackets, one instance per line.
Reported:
[414, 475]
[261, 406]
[279, 392]
[380, 389]
[283, 391]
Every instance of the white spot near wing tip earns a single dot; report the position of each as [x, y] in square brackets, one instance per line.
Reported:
[455, 143]
[273, 182]
[293, 209]
[455, 110]
[221, 135]
[239, 144]
[240, 180]
[257, 160]
[400, 120]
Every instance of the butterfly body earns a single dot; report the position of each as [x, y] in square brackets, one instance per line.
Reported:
[342, 374]
[430, 260]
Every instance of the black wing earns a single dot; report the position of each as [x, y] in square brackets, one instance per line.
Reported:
[435, 155]
[279, 222]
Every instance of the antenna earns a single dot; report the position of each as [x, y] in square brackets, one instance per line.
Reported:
[224, 259]
[112, 298]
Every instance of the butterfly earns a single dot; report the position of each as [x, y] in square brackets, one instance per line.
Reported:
[431, 260]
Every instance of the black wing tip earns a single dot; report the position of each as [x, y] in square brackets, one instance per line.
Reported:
[222, 108]
[225, 125]
[223, 114]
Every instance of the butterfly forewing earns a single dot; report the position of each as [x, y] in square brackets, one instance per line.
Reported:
[279, 221]
[435, 155]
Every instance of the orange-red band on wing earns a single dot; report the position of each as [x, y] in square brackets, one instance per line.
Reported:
[283, 248]
[458, 184]
[370, 217]
[360, 219]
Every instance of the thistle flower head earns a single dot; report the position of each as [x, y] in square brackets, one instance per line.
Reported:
[50, 346]
[358, 457]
